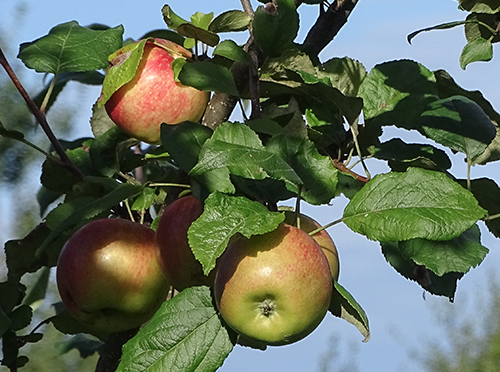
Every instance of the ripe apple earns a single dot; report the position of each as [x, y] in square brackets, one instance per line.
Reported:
[322, 238]
[153, 97]
[176, 259]
[108, 276]
[274, 288]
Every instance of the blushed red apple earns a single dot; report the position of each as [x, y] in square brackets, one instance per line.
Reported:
[177, 260]
[108, 276]
[153, 97]
[274, 288]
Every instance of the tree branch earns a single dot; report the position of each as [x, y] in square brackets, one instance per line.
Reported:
[328, 25]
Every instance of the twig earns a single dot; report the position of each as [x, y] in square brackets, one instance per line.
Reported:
[42, 120]
[341, 167]
[112, 351]
[247, 7]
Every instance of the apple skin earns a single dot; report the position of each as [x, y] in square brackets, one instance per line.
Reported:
[108, 276]
[273, 289]
[153, 97]
[176, 259]
[324, 240]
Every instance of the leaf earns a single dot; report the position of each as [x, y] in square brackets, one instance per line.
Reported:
[208, 76]
[37, 292]
[445, 285]
[71, 48]
[21, 317]
[4, 322]
[230, 21]
[100, 122]
[317, 171]
[477, 50]
[194, 33]
[480, 6]
[343, 305]
[171, 19]
[83, 344]
[230, 50]
[238, 149]
[402, 155]
[105, 150]
[459, 254]
[460, 124]
[345, 74]
[274, 27]
[145, 200]
[13, 134]
[416, 204]
[442, 26]
[396, 93]
[120, 193]
[65, 323]
[222, 217]
[186, 334]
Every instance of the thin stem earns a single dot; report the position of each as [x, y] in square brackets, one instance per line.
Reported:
[42, 120]
[169, 185]
[469, 186]
[314, 232]
[48, 94]
[494, 217]
[297, 207]
[129, 210]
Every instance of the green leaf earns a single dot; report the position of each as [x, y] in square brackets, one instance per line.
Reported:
[275, 27]
[416, 204]
[105, 151]
[445, 285]
[65, 323]
[460, 124]
[82, 343]
[21, 317]
[343, 305]
[37, 292]
[442, 26]
[171, 19]
[345, 74]
[459, 254]
[402, 155]
[480, 6]
[13, 134]
[208, 76]
[317, 171]
[477, 50]
[120, 193]
[202, 20]
[230, 50]
[193, 34]
[222, 217]
[186, 334]
[4, 322]
[237, 148]
[125, 64]
[71, 48]
[145, 200]
[396, 93]
[230, 21]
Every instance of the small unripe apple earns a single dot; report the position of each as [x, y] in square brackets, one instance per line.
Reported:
[153, 97]
[176, 259]
[108, 276]
[324, 240]
[274, 288]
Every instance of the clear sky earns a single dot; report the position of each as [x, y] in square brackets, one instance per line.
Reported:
[401, 320]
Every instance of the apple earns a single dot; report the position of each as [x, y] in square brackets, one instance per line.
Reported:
[153, 97]
[274, 288]
[108, 276]
[322, 238]
[176, 259]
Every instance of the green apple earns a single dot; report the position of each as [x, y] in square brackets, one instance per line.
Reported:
[322, 238]
[153, 97]
[176, 259]
[108, 276]
[274, 288]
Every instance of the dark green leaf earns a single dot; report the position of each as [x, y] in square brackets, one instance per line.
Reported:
[232, 20]
[208, 77]
[230, 50]
[190, 31]
[274, 27]
[100, 122]
[445, 285]
[477, 50]
[71, 48]
[104, 151]
[442, 26]
[65, 323]
[13, 134]
[83, 344]
[402, 155]
[343, 305]
[345, 74]
[21, 317]
[186, 334]
[171, 19]
[4, 322]
[480, 6]
[416, 204]
[60, 213]
[37, 291]
[222, 217]
[460, 124]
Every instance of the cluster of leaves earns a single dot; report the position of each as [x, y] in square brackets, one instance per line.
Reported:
[303, 131]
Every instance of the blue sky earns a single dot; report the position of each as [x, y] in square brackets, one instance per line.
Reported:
[399, 316]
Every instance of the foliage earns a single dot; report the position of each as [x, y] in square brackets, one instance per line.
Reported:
[303, 131]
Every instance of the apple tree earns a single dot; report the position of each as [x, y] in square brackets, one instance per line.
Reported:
[281, 125]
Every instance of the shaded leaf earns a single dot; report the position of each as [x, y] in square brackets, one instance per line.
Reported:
[224, 216]
[71, 48]
[37, 292]
[442, 26]
[208, 76]
[230, 50]
[186, 334]
[343, 305]
[416, 204]
[105, 150]
[345, 74]
[480, 6]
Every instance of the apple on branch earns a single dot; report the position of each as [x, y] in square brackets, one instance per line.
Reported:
[152, 96]
[274, 288]
[108, 276]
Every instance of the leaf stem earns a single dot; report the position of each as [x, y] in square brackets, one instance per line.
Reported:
[494, 217]
[169, 185]
[48, 94]
[314, 232]
[42, 120]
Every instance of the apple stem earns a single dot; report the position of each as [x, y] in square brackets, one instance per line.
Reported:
[319, 229]
[297, 206]
[41, 118]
